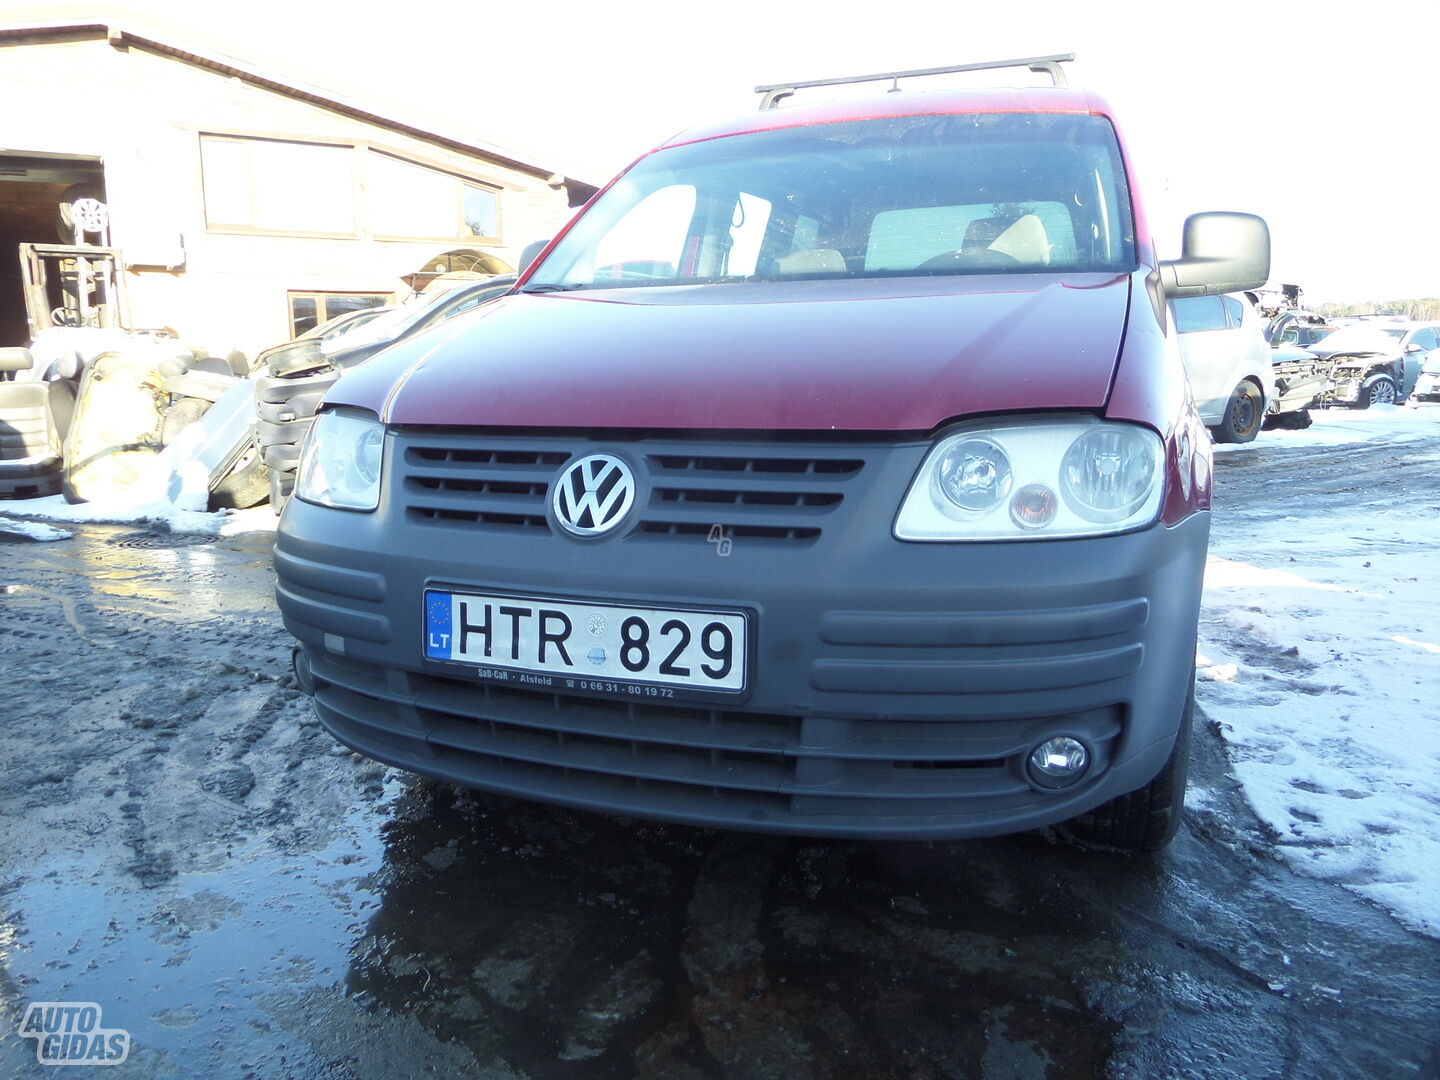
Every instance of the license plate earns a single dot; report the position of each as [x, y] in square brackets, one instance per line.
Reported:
[584, 645]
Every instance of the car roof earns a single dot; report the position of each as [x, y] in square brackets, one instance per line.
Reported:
[1040, 99]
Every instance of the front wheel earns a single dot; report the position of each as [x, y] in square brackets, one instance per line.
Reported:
[1147, 819]
[1244, 413]
[1379, 392]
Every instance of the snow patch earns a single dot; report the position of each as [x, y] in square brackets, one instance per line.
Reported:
[1322, 672]
[32, 530]
[1336, 427]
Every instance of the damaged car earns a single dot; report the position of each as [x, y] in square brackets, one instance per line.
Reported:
[1374, 362]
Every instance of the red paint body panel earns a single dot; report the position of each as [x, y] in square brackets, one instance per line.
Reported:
[903, 354]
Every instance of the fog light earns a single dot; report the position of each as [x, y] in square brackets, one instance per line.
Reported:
[1058, 762]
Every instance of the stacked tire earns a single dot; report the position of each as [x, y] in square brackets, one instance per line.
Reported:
[286, 399]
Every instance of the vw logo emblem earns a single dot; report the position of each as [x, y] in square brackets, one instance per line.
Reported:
[593, 495]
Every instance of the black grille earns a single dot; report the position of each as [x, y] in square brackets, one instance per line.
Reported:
[754, 770]
[780, 494]
[458, 482]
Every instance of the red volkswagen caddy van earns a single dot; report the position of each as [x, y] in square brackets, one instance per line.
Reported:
[833, 473]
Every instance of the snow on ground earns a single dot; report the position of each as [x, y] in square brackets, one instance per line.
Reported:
[160, 514]
[1320, 661]
[31, 530]
[171, 494]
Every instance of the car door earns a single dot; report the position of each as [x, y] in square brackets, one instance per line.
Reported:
[1413, 359]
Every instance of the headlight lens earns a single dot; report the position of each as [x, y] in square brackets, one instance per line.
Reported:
[1035, 479]
[1108, 472]
[340, 466]
[974, 474]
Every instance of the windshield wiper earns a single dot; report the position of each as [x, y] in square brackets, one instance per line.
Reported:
[552, 287]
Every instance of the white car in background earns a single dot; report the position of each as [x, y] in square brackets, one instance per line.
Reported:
[1228, 362]
[1427, 386]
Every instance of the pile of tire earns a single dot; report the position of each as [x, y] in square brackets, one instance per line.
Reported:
[292, 380]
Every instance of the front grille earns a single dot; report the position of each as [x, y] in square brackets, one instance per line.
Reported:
[763, 496]
[462, 482]
[776, 493]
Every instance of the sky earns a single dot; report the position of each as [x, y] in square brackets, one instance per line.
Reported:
[1321, 123]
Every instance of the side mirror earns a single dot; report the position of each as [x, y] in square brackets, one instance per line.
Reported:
[1414, 347]
[530, 253]
[1222, 253]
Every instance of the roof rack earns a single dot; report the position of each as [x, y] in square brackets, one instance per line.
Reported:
[1049, 65]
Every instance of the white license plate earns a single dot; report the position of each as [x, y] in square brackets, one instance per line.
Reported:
[583, 646]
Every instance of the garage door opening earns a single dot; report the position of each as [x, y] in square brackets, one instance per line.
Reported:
[33, 189]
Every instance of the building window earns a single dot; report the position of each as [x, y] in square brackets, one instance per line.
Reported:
[482, 211]
[310, 309]
[274, 186]
[409, 201]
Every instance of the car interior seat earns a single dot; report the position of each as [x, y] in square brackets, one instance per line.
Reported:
[1025, 241]
[992, 243]
[811, 261]
[34, 419]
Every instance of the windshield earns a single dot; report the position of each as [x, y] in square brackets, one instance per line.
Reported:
[993, 193]
[393, 322]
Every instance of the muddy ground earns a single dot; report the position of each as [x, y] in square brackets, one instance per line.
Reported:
[182, 844]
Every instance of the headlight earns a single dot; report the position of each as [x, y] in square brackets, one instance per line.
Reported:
[1035, 479]
[340, 465]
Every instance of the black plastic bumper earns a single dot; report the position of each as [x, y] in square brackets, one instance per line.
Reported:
[896, 688]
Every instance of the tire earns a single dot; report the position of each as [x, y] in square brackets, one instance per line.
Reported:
[1380, 392]
[1147, 819]
[87, 195]
[1244, 413]
[247, 485]
[1298, 420]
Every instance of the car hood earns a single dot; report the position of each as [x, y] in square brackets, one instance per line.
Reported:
[888, 355]
[1286, 354]
[1356, 345]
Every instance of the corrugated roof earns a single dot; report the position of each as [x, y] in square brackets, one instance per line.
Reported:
[123, 37]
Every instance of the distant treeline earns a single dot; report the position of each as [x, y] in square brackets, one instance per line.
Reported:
[1414, 309]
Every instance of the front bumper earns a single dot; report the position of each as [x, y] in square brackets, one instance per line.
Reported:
[896, 688]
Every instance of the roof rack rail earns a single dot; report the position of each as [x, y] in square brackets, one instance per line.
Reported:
[1049, 65]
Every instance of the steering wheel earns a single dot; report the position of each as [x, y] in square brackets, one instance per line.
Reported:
[984, 259]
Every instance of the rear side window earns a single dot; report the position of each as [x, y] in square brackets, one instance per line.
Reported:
[926, 195]
[1195, 313]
